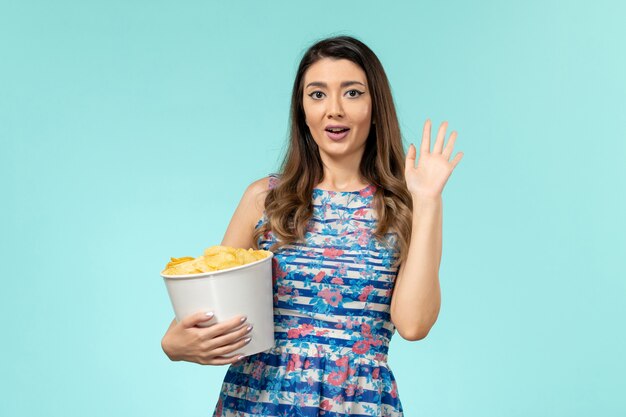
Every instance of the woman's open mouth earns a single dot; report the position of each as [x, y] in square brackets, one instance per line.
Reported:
[337, 133]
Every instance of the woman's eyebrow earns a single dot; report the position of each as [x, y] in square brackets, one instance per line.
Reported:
[323, 84]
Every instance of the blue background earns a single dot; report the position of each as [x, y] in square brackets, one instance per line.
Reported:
[130, 129]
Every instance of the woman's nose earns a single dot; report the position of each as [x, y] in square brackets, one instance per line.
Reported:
[335, 109]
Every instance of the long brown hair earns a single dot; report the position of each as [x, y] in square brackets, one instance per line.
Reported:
[289, 207]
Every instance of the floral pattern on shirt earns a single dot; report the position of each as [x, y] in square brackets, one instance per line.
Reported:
[332, 324]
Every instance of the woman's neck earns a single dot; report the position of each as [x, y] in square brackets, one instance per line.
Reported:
[341, 176]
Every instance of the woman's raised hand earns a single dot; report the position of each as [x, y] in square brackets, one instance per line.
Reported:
[185, 341]
[433, 168]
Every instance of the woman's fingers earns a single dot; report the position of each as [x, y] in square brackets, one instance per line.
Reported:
[213, 343]
[447, 151]
[410, 157]
[221, 328]
[229, 338]
[457, 159]
[224, 350]
[193, 320]
[425, 146]
[222, 360]
[224, 338]
[441, 134]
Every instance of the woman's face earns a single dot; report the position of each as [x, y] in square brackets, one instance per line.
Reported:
[336, 94]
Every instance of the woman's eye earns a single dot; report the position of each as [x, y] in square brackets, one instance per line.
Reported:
[316, 95]
[358, 93]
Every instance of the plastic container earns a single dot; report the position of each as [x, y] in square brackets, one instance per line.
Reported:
[245, 290]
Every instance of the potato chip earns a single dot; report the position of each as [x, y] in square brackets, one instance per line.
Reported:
[245, 257]
[214, 250]
[176, 261]
[215, 258]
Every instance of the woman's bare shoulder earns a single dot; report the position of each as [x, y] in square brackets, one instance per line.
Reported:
[259, 186]
[257, 191]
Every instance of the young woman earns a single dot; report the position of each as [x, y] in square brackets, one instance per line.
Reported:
[355, 227]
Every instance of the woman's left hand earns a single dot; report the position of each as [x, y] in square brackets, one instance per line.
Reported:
[426, 181]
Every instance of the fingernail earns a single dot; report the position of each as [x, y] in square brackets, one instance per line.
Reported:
[248, 339]
[209, 314]
[249, 328]
[244, 318]
[240, 357]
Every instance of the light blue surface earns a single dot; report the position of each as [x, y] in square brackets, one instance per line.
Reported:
[129, 131]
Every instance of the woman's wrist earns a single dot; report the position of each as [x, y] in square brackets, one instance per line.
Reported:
[167, 349]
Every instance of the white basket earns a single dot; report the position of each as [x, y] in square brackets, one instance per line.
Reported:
[242, 290]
